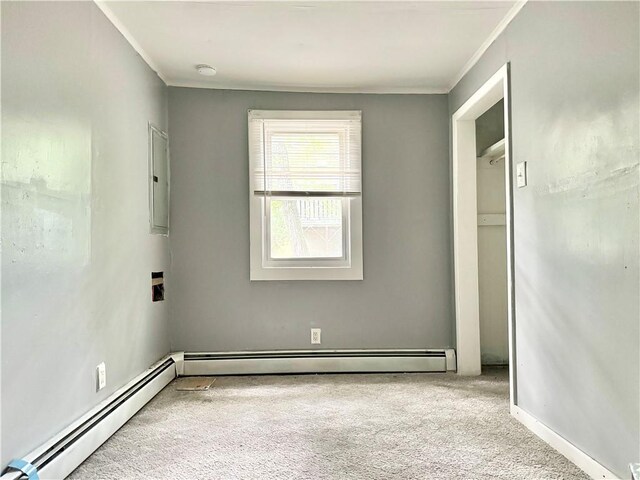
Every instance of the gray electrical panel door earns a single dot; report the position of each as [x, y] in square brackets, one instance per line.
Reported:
[159, 180]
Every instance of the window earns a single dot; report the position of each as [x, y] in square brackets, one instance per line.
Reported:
[305, 197]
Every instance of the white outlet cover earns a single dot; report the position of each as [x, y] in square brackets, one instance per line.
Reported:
[316, 336]
[102, 375]
[521, 174]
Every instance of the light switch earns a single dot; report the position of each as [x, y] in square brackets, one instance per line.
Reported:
[101, 371]
[521, 174]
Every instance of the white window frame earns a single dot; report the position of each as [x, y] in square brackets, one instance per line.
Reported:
[263, 267]
[332, 262]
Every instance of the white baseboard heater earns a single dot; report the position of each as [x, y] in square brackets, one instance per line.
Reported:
[58, 457]
[62, 454]
[318, 361]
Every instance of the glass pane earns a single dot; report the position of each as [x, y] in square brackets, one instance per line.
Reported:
[306, 228]
[305, 161]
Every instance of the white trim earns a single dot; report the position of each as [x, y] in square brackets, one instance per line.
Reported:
[316, 89]
[319, 351]
[450, 355]
[262, 267]
[465, 251]
[102, 5]
[315, 361]
[178, 357]
[487, 43]
[68, 460]
[260, 273]
[583, 461]
[305, 114]
[509, 229]
[465, 226]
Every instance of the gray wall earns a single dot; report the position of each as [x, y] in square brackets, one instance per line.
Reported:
[77, 255]
[490, 127]
[575, 120]
[404, 299]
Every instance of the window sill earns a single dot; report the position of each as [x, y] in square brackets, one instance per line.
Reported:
[307, 273]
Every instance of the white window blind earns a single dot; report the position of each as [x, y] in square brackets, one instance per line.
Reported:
[305, 154]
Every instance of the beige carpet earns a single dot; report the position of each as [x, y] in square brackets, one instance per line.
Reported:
[394, 426]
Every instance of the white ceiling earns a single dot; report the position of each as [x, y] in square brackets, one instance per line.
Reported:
[347, 46]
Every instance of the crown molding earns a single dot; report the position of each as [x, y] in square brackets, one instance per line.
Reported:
[513, 11]
[294, 89]
[102, 5]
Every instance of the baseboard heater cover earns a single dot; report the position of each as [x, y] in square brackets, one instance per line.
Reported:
[318, 361]
[61, 455]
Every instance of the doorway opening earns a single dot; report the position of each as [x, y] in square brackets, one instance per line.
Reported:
[483, 230]
[492, 238]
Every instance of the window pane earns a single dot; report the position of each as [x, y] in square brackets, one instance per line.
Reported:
[306, 228]
[305, 161]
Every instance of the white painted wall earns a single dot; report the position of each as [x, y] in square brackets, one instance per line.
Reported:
[492, 265]
[76, 248]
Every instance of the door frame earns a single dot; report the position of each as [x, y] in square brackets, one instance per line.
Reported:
[465, 226]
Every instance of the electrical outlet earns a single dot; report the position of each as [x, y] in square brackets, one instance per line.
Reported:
[316, 337]
[101, 376]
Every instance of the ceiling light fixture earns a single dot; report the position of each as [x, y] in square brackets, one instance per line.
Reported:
[206, 70]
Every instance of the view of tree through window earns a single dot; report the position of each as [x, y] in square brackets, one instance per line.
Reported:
[309, 227]
[306, 228]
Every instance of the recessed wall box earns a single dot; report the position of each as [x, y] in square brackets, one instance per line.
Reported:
[157, 286]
